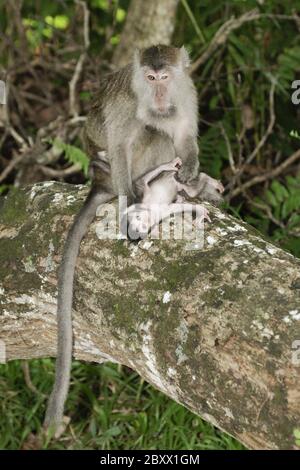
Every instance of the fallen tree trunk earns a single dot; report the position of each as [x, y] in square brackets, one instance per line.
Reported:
[216, 329]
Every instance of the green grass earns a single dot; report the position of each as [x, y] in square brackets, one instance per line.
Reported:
[110, 408]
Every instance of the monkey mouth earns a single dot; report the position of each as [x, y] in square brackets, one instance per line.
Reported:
[163, 111]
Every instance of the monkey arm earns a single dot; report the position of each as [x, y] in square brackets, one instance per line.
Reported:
[187, 150]
[120, 174]
[170, 166]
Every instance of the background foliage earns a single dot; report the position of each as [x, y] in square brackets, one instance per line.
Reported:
[248, 128]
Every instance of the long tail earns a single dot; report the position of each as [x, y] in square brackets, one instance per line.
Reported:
[55, 409]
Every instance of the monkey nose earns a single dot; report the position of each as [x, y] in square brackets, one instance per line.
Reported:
[160, 91]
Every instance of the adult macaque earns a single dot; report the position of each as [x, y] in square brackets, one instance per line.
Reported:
[145, 115]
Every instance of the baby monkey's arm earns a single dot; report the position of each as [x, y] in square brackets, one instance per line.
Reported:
[174, 165]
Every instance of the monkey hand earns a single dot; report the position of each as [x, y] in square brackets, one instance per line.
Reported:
[188, 172]
[212, 189]
[177, 162]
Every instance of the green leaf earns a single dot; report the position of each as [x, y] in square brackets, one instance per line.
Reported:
[296, 433]
[120, 15]
[295, 134]
[279, 190]
[271, 198]
[102, 4]
[113, 431]
[73, 154]
[213, 102]
[58, 21]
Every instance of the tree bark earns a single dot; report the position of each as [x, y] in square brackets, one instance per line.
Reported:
[147, 23]
[216, 329]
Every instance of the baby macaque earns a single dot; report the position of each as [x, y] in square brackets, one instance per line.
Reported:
[162, 195]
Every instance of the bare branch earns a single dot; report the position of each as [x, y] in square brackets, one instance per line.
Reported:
[229, 149]
[221, 342]
[71, 170]
[267, 176]
[258, 147]
[232, 24]
[81, 60]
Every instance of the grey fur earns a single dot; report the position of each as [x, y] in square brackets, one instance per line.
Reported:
[137, 137]
[161, 193]
[54, 413]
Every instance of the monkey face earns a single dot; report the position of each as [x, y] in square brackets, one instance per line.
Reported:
[138, 221]
[158, 83]
[157, 76]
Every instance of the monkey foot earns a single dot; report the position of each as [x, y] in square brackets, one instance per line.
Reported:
[206, 215]
[220, 187]
[202, 215]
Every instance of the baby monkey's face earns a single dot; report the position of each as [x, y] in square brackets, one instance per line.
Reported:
[139, 222]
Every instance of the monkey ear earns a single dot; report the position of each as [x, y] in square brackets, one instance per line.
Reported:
[185, 59]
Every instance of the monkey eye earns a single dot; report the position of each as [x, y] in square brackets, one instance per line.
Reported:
[164, 77]
[151, 77]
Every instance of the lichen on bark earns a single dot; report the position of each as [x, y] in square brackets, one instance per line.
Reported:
[213, 328]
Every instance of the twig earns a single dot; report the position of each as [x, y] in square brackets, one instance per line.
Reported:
[266, 176]
[224, 31]
[27, 378]
[10, 166]
[260, 144]
[75, 168]
[193, 21]
[6, 121]
[73, 83]
[229, 149]
[262, 141]
[267, 210]
[221, 36]
[80, 62]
